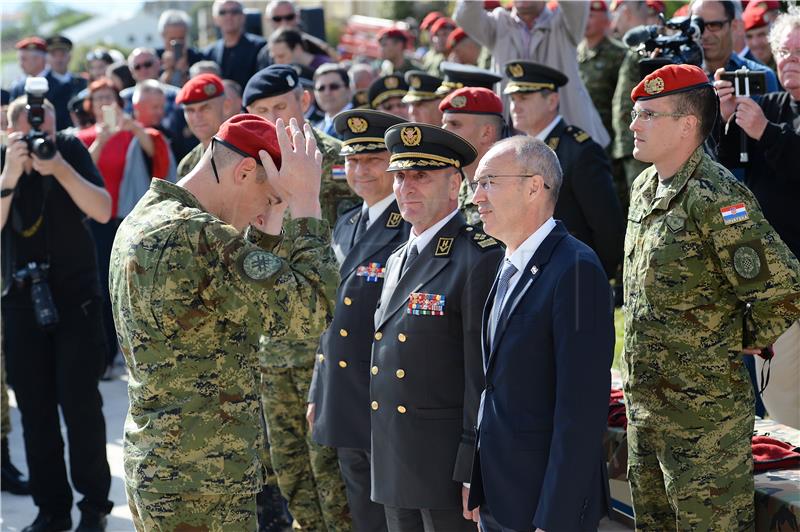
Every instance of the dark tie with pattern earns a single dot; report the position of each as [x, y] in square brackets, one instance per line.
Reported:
[502, 287]
[362, 226]
[410, 258]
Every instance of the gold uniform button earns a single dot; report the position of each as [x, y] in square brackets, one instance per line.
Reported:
[401, 409]
[401, 337]
[320, 357]
[374, 405]
[342, 332]
[348, 301]
[374, 370]
[378, 335]
[342, 364]
[400, 373]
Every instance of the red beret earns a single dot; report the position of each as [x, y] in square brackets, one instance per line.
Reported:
[655, 5]
[472, 100]
[756, 14]
[668, 80]
[455, 37]
[32, 43]
[429, 19]
[491, 5]
[682, 11]
[392, 33]
[200, 88]
[598, 5]
[247, 134]
[441, 22]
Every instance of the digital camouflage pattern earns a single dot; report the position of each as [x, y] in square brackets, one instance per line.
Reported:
[687, 278]
[599, 68]
[192, 512]
[191, 295]
[465, 205]
[621, 107]
[335, 195]
[191, 160]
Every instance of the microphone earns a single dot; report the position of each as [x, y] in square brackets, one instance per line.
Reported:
[639, 35]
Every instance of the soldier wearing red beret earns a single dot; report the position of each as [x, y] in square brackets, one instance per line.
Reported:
[32, 55]
[393, 42]
[462, 48]
[758, 17]
[203, 99]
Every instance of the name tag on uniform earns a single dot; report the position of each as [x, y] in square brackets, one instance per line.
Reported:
[423, 304]
[372, 271]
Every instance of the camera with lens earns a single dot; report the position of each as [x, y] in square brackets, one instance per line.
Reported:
[675, 41]
[44, 309]
[38, 142]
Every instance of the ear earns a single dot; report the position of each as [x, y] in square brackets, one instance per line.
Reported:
[691, 126]
[244, 170]
[554, 100]
[455, 184]
[305, 101]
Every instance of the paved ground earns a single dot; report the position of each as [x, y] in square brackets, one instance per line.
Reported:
[17, 512]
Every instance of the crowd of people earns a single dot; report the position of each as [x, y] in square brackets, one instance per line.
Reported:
[377, 294]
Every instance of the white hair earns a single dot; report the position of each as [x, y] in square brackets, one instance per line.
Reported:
[783, 26]
[148, 86]
[173, 17]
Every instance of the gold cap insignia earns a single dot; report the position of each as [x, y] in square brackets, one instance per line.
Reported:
[357, 124]
[458, 102]
[416, 82]
[654, 86]
[391, 83]
[515, 70]
[411, 136]
[210, 89]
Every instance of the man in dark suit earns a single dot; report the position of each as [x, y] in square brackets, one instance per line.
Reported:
[548, 342]
[59, 54]
[32, 54]
[363, 238]
[588, 204]
[426, 362]
[236, 52]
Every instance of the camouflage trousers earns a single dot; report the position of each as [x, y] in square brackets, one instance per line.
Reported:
[677, 485]
[308, 473]
[189, 512]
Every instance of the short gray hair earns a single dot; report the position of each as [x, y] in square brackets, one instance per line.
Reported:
[218, 3]
[173, 17]
[148, 86]
[783, 26]
[534, 157]
[139, 51]
[275, 3]
[204, 67]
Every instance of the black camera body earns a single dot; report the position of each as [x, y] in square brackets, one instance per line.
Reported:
[680, 47]
[44, 309]
[36, 139]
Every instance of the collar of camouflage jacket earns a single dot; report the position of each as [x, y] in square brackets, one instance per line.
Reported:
[163, 188]
[661, 201]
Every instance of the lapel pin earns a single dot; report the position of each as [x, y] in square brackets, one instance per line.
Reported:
[534, 269]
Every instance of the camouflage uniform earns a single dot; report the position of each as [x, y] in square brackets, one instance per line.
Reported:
[307, 473]
[621, 107]
[188, 163]
[688, 275]
[388, 68]
[599, 67]
[431, 61]
[191, 295]
[465, 205]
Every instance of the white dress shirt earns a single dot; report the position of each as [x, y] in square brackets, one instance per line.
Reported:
[376, 210]
[542, 135]
[427, 235]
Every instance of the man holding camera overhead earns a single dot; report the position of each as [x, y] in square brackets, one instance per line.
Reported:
[55, 346]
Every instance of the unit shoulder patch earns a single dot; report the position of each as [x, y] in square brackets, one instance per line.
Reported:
[481, 239]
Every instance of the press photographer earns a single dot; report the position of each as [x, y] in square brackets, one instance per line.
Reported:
[51, 309]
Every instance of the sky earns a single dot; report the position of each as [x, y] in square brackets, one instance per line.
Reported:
[90, 6]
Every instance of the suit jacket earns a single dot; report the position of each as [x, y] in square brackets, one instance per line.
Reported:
[58, 93]
[340, 384]
[544, 411]
[426, 369]
[587, 203]
[242, 60]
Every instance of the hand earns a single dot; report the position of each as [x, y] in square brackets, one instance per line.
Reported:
[473, 515]
[299, 179]
[49, 166]
[126, 123]
[311, 413]
[750, 117]
[104, 133]
[727, 100]
[17, 157]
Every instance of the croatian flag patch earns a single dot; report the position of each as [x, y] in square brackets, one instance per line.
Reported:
[734, 213]
[337, 172]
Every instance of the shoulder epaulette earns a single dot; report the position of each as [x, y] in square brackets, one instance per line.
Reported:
[578, 134]
[480, 239]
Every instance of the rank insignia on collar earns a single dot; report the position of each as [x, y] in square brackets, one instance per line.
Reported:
[353, 218]
[443, 247]
[552, 142]
[394, 220]
[372, 271]
[423, 304]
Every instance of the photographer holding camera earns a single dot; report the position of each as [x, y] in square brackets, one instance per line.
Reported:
[51, 308]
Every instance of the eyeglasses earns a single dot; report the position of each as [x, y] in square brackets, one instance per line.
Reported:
[144, 64]
[646, 115]
[783, 53]
[223, 12]
[277, 19]
[231, 147]
[487, 182]
[332, 87]
[715, 25]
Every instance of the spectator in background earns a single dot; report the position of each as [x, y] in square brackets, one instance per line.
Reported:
[532, 31]
[283, 14]
[718, 51]
[32, 56]
[432, 56]
[286, 47]
[204, 67]
[237, 51]
[174, 26]
[361, 77]
[81, 118]
[393, 42]
[120, 74]
[148, 103]
[462, 49]
[421, 98]
[332, 92]
[97, 61]
[772, 125]
[59, 54]
[386, 94]
[203, 99]
[757, 18]
[440, 29]
[233, 98]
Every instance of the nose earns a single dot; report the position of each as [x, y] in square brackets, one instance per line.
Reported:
[479, 195]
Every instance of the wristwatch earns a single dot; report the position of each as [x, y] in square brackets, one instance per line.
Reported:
[6, 192]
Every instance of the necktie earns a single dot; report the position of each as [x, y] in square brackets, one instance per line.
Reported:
[362, 226]
[506, 274]
[410, 258]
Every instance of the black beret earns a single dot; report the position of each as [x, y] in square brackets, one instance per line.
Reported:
[457, 75]
[383, 88]
[421, 87]
[417, 146]
[58, 42]
[527, 76]
[362, 130]
[271, 81]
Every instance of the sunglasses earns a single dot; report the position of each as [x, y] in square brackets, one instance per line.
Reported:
[223, 12]
[277, 19]
[145, 64]
[332, 87]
